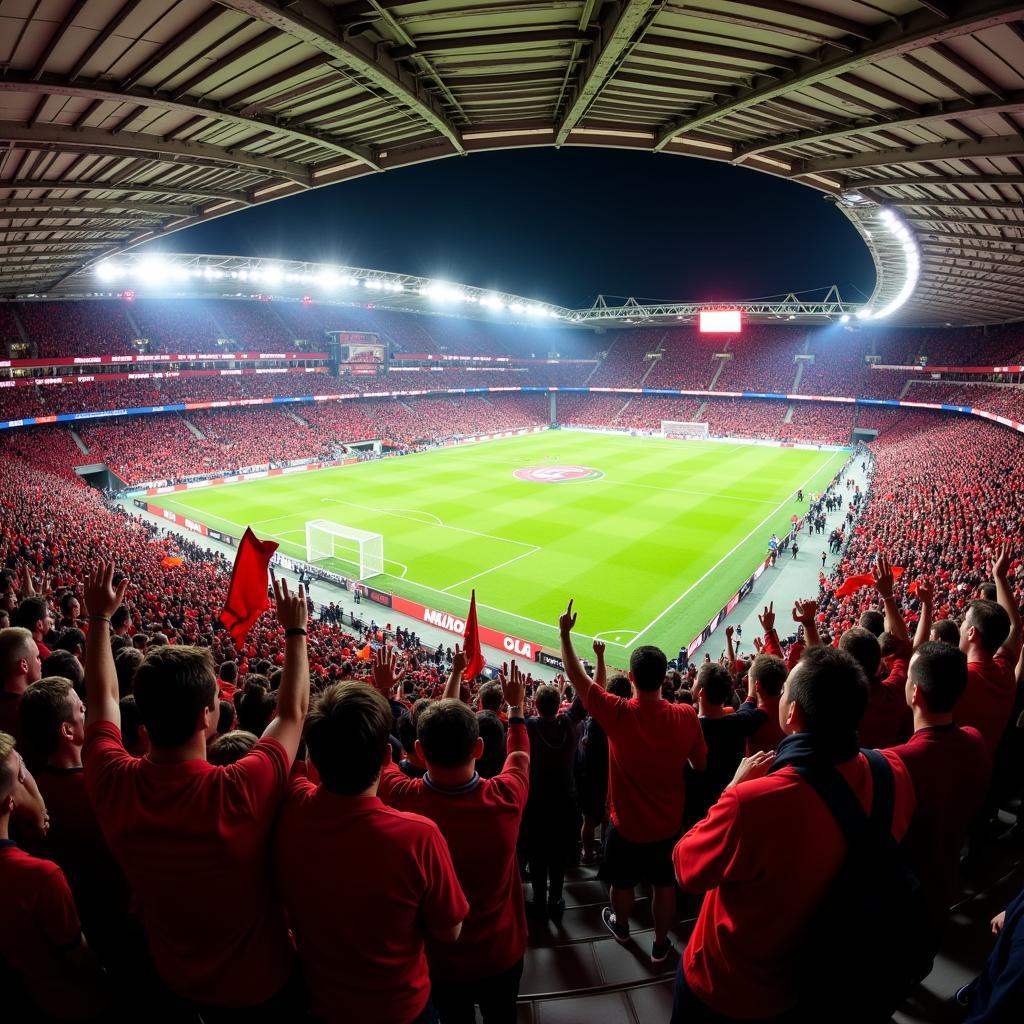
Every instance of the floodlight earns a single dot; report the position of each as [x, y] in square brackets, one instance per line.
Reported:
[106, 271]
[845, 318]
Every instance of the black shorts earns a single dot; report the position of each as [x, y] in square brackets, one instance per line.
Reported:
[628, 864]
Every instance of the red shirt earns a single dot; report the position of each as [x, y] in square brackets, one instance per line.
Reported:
[770, 735]
[189, 833]
[37, 922]
[887, 719]
[765, 855]
[481, 823]
[10, 719]
[76, 843]
[950, 769]
[988, 700]
[649, 743]
[382, 880]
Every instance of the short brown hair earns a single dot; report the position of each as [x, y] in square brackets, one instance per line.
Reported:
[172, 687]
[769, 672]
[347, 735]
[14, 641]
[227, 749]
[44, 708]
[448, 731]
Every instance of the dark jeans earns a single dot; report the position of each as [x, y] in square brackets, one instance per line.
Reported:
[496, 996]
[550, 840]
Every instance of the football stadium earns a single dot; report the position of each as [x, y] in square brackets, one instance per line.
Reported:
[402, 637]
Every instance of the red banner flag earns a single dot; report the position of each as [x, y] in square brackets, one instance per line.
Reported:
[247, 596]
[853, 583]
[471, 644]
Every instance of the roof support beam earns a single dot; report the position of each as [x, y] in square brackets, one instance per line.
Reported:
[918, 29]
[128, 205]
[942, 181]
[950, 204]
[137, 144]
[55, 86]
[1012, 104]
[620, 32]
[55, 184]
[313, 23]
[1000, 145]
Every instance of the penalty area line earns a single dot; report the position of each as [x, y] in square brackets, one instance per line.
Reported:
[686, 593]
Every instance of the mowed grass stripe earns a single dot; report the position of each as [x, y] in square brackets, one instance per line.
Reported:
[626, 545]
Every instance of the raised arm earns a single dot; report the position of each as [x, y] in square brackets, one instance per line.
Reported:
[1004, 595]
[730, 649]
[804, 613]
[293, 694]
[581, 682]
[513, 689]
[102, 599]
[453, 688]
[771, 638]
[600, 669]
[926, 597]
[885, 581]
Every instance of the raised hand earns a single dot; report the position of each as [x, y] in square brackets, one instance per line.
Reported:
[729, 632]
[513, 685]
[926, 592]
[884, 578]
[385, 670]
[758, 644]
[755, 767]
[567, 620]
[292, 610]
[560, 684]
[459, 662]
[804, 611]
[598, 648]
[1001, 562]
[100, 595]
[767, 618]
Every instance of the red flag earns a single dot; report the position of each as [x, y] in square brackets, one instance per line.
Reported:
[471, 644]
[171, 561]
[247, 596]
[365, 654]
[853, 583]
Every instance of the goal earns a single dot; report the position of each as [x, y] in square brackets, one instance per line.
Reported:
[360, 552]
[682, 428]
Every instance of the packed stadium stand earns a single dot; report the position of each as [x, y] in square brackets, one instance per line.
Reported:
[946, 492]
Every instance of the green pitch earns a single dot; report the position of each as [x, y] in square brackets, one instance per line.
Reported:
[650, 546]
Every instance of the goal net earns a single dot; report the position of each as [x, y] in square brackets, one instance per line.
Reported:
[682, 428]
[359, 552]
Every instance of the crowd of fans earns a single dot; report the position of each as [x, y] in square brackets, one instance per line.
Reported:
[333, 820]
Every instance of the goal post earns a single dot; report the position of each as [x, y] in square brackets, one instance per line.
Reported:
[684, 428]
[360, 551]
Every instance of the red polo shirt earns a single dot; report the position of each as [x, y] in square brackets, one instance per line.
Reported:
[37, 922]
[987, 702]
[481, 823]
[189, 833]
[649, 743]
[765, 856]
[950, 769]
[387, 872]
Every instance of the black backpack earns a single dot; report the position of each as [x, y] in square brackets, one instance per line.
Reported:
[871, 940]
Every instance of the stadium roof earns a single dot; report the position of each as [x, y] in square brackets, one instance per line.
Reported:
[124, 120]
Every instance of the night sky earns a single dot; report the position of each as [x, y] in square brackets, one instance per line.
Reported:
[562, 226]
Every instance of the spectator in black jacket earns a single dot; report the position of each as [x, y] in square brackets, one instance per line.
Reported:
[549, 824]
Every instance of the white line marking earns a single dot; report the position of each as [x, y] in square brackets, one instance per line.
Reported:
[727, 555]
[525, 554]
[439, 523]
[675, 490]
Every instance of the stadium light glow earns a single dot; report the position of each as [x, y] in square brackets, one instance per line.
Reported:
[912, 266]
[720, 321]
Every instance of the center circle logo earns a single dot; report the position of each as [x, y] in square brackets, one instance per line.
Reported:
[557, 474]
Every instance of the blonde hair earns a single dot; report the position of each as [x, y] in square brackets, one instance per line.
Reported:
[7, 776]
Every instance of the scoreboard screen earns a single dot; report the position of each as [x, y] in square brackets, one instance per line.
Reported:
[720, 321]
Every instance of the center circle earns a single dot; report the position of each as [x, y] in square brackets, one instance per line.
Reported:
[557, 474]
